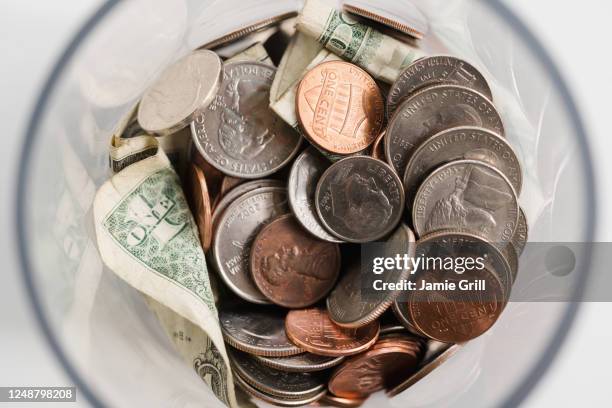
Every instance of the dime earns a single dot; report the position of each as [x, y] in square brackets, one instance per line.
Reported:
[427, 368]
[274, 382]
[239, 134]
[305, 172]
[435, 70]
[519, 239]
[359, 199]
[339, 107]
[346, 305]
[237, 228]
[290, 267]
[259, 331]
[461, 143]
[413, 23]
[200, 203]
[282, 402]
[301, 363]
[431, 111]
[384, 365]
[184, 87]
[378, 147]
[340, 402]
[467, 194]
[312, 330]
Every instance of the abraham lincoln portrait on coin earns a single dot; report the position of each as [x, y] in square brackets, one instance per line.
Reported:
[473, 202]
[244, 132]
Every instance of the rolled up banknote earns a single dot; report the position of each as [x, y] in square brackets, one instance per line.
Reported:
[382, 56]
[148, 237]
[255, 52]
[125, 152]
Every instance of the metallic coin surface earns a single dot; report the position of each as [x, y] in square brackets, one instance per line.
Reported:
[339, 107]
[274, 400]
[272, 381]
[470, 195]
[400, 309]
[259, 331]
[412, 22]
[301, 363]
[377, 150]
[332, 400]
[213, 176]
[519, 240]
[431, 111]
[347, 306]
[200, 203]
[312, 330]
[291, 267]
[184, 87]
[237, 228]
[229, 183]
[435, 70]
[302, 185]
[359, 199]
[238, 133]
[457, 144]
[384, 365]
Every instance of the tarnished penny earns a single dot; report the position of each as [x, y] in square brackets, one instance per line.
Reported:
[519, 240]
[291, 267]
[359, 199]
[301, 187]
[274, 382]
[435, 70]
[347, 306]
[340, 402]
[312, 330]
[377, 150]
[383, 366]
[200, 202]
[259, 331]
[274, 400]
[301, 363]
[467, 194]
[234, 235]
[339, 107]
[431, 111]
[461, 143]
[238, 133]
[180, 90]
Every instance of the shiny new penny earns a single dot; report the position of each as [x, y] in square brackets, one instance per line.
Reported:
[461, 143]
[312, 330]
[201, 206]
[301, 363]
[431, 111]
[234, 235]
[301, 187]
[259, 331]
[347, 305]
[291, 267]
[339, 107]
[383, 366]
[360, 199]
[467, 194]
[435, 70]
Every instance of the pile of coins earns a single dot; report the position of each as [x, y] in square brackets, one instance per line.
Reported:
[283, 209]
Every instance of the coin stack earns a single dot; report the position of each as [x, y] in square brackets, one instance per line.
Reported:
[285, 194]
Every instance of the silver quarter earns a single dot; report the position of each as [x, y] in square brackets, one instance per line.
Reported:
[184, 87]
[281, 402]
[302, 185]
[275, 382]
[431, 111]
[346, 304]
[521, 235]
[467, 195]
[461, 143]
[238, 133]
[435, 70]
[235, 232]
[300, 363]
[259, 331]
[359, 199]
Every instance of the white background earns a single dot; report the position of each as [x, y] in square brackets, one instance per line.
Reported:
[577, 34]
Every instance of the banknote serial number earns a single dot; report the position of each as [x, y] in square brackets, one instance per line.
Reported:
[37, 394]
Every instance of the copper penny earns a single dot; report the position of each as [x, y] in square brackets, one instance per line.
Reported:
[200, 202]
[386, 364]
[213, 176]
[291, 267]
[312, 330]
[229, 183]
[378, 149]
[339, 107]
[340, 402]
